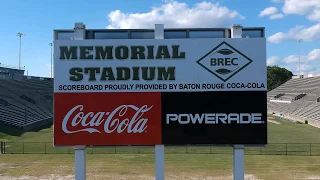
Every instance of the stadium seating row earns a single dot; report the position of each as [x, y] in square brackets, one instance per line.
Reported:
[25, 102]
[298, 98]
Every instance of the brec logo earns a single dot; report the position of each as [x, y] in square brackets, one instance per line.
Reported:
[224, 61]
[216, 118]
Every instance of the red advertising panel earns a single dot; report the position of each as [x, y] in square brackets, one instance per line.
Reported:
[107, 119]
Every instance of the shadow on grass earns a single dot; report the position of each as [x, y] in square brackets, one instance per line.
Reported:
[14, 131]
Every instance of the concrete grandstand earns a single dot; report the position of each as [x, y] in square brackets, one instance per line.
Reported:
[298, 99]
[26, 102]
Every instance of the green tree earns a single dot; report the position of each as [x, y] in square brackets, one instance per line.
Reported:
[277, 76]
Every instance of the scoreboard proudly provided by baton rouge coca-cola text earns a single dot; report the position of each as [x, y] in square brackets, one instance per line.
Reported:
[160, 91]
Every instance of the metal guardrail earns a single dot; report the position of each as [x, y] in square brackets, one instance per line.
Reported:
[11, 67]
[298, 149]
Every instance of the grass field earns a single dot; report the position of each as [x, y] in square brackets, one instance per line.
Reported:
[129, 164]
[140, 167]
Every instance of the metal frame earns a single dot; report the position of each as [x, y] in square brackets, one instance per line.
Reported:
[90, 33]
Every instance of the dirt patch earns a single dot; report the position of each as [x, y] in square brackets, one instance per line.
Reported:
[3, 166]
[246, 177]
[50, 177]
[273, 121]
[312, 177]
[122, 177]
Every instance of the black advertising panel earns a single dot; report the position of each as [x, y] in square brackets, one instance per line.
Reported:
[221, 117]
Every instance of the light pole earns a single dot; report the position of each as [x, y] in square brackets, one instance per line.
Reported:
[20, 35]
[50, 44]
[299, 40]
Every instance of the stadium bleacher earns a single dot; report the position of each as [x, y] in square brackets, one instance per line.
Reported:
[297, 99]
[26, 103]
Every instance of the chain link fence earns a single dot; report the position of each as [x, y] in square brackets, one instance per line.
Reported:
[306, 149]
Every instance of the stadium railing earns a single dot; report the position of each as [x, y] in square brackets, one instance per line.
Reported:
[298, 149]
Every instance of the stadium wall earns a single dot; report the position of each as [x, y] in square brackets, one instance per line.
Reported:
[306, 75]
[16, 73]
[38, 124]
[294, 118]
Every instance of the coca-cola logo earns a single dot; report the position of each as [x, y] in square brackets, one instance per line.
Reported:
[112, 121]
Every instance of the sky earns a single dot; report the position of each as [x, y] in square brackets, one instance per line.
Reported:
[285, 22]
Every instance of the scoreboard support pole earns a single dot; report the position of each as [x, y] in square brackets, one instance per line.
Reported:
[80, 162]
[79, 151]
[159, 149]
[238, 150]
[238, 162]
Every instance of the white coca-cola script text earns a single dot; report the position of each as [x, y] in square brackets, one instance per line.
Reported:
[91, 121]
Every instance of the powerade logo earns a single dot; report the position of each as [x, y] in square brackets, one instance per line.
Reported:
[216, 118]
[224, 61]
